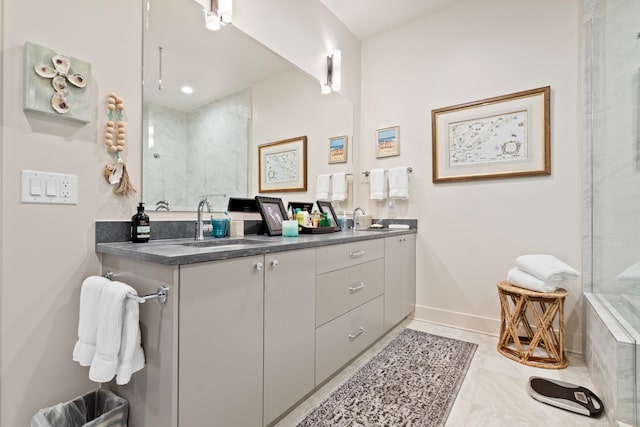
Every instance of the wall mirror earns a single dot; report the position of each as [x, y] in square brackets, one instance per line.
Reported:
[202, 143]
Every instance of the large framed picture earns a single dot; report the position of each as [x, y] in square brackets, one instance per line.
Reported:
[282, 165]
[273, 213]
[338, 149]
[388, 142]
[502, 137]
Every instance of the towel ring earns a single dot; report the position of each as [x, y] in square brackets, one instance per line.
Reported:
[162, 294]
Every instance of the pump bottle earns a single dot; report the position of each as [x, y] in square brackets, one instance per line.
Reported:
[140, 226]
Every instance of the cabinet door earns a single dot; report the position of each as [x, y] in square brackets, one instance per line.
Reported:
[289, 330]
[220, 344]
[399, 278]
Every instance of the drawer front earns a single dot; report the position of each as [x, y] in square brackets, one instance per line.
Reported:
[332, 347]
[365, 325]
[343, 338]
[332, 295]
[334, 257]
[366, 281]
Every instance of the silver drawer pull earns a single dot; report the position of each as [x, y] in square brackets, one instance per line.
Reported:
[356, 254]
[353, 289]
[355, 335]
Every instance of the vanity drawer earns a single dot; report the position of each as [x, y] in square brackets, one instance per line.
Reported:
[342, 290]
[340, 340]
[330, 258]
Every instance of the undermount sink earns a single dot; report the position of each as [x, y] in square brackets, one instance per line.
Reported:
[221, 242]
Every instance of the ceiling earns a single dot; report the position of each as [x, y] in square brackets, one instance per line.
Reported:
[218, 63]
[368, 18]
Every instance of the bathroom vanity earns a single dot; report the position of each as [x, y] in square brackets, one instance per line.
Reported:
[253, 326]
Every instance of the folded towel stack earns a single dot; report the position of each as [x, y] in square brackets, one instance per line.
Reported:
[108, 331]
[540, 272]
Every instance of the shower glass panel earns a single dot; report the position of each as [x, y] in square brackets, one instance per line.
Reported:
[612, 64]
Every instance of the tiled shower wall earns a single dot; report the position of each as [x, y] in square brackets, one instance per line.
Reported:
[195, 154]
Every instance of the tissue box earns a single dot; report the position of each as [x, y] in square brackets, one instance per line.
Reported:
[362, 222]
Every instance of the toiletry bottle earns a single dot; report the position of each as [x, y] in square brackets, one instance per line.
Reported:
[315, 219]
[140, 226]
[325, 221]
[299, 218]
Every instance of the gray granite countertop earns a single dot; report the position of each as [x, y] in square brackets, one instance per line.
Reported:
[182, 251]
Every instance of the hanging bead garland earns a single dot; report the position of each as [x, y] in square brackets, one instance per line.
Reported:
[114, 141]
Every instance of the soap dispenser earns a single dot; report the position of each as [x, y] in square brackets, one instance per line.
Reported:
[140, 226]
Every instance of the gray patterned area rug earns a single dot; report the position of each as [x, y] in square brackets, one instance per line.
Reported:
[413, 381]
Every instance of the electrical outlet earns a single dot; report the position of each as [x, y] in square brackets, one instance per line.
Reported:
[49, 188]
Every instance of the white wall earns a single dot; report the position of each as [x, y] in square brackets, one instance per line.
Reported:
[470, 233]
[48, 250]
[291, 105]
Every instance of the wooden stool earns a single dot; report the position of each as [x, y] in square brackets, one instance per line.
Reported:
[522, 309]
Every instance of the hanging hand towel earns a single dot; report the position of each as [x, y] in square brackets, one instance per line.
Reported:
[322, 187]
[399, 183]
[109, 335]
[131, 356]
[85, 347]
[339, 187]
[519, 278]
[546, 268]
[378, 184]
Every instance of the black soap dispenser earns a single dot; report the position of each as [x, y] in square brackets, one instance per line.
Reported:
[140, 226]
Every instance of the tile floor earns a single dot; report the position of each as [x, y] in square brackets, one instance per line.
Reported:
[494, 392]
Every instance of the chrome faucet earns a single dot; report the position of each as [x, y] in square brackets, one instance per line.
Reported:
[353, 215]
[199, 227]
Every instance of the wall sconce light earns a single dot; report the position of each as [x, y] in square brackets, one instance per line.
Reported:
[216, 13]
[334, 79]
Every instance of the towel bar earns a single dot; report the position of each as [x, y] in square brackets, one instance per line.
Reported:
[161, 294]
[366, 173]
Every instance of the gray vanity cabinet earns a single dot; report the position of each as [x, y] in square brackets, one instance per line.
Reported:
[220, 345]
[289, 330]
[399, 278]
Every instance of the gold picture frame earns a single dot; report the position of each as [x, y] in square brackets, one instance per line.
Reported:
[503, 137]
[282, 165]
[338, 146]
[388, 142]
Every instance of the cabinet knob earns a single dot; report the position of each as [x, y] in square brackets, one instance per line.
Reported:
[274, 263]
[258, 266]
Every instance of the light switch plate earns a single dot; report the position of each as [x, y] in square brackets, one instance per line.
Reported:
[54, 188]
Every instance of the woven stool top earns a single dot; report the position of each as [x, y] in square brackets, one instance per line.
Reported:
[508, 287]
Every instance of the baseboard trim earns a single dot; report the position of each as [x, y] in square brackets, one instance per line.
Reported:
[484, 325]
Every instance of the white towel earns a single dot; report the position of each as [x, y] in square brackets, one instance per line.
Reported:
[630, 275]
[546, 268]
[85, 347]
[522, 279]
[323, 183]
[131, 356]
[339, 187]
[399, 183]
[111, 316]
[377, 184]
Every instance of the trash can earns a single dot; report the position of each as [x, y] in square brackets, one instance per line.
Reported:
[99, 408]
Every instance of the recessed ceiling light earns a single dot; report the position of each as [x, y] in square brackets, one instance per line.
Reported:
[187, 90]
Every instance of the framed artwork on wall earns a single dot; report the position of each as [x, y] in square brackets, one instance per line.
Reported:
[388, 142]
[502, 137]
[282, 165]
[338, 149]
[56, 84]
